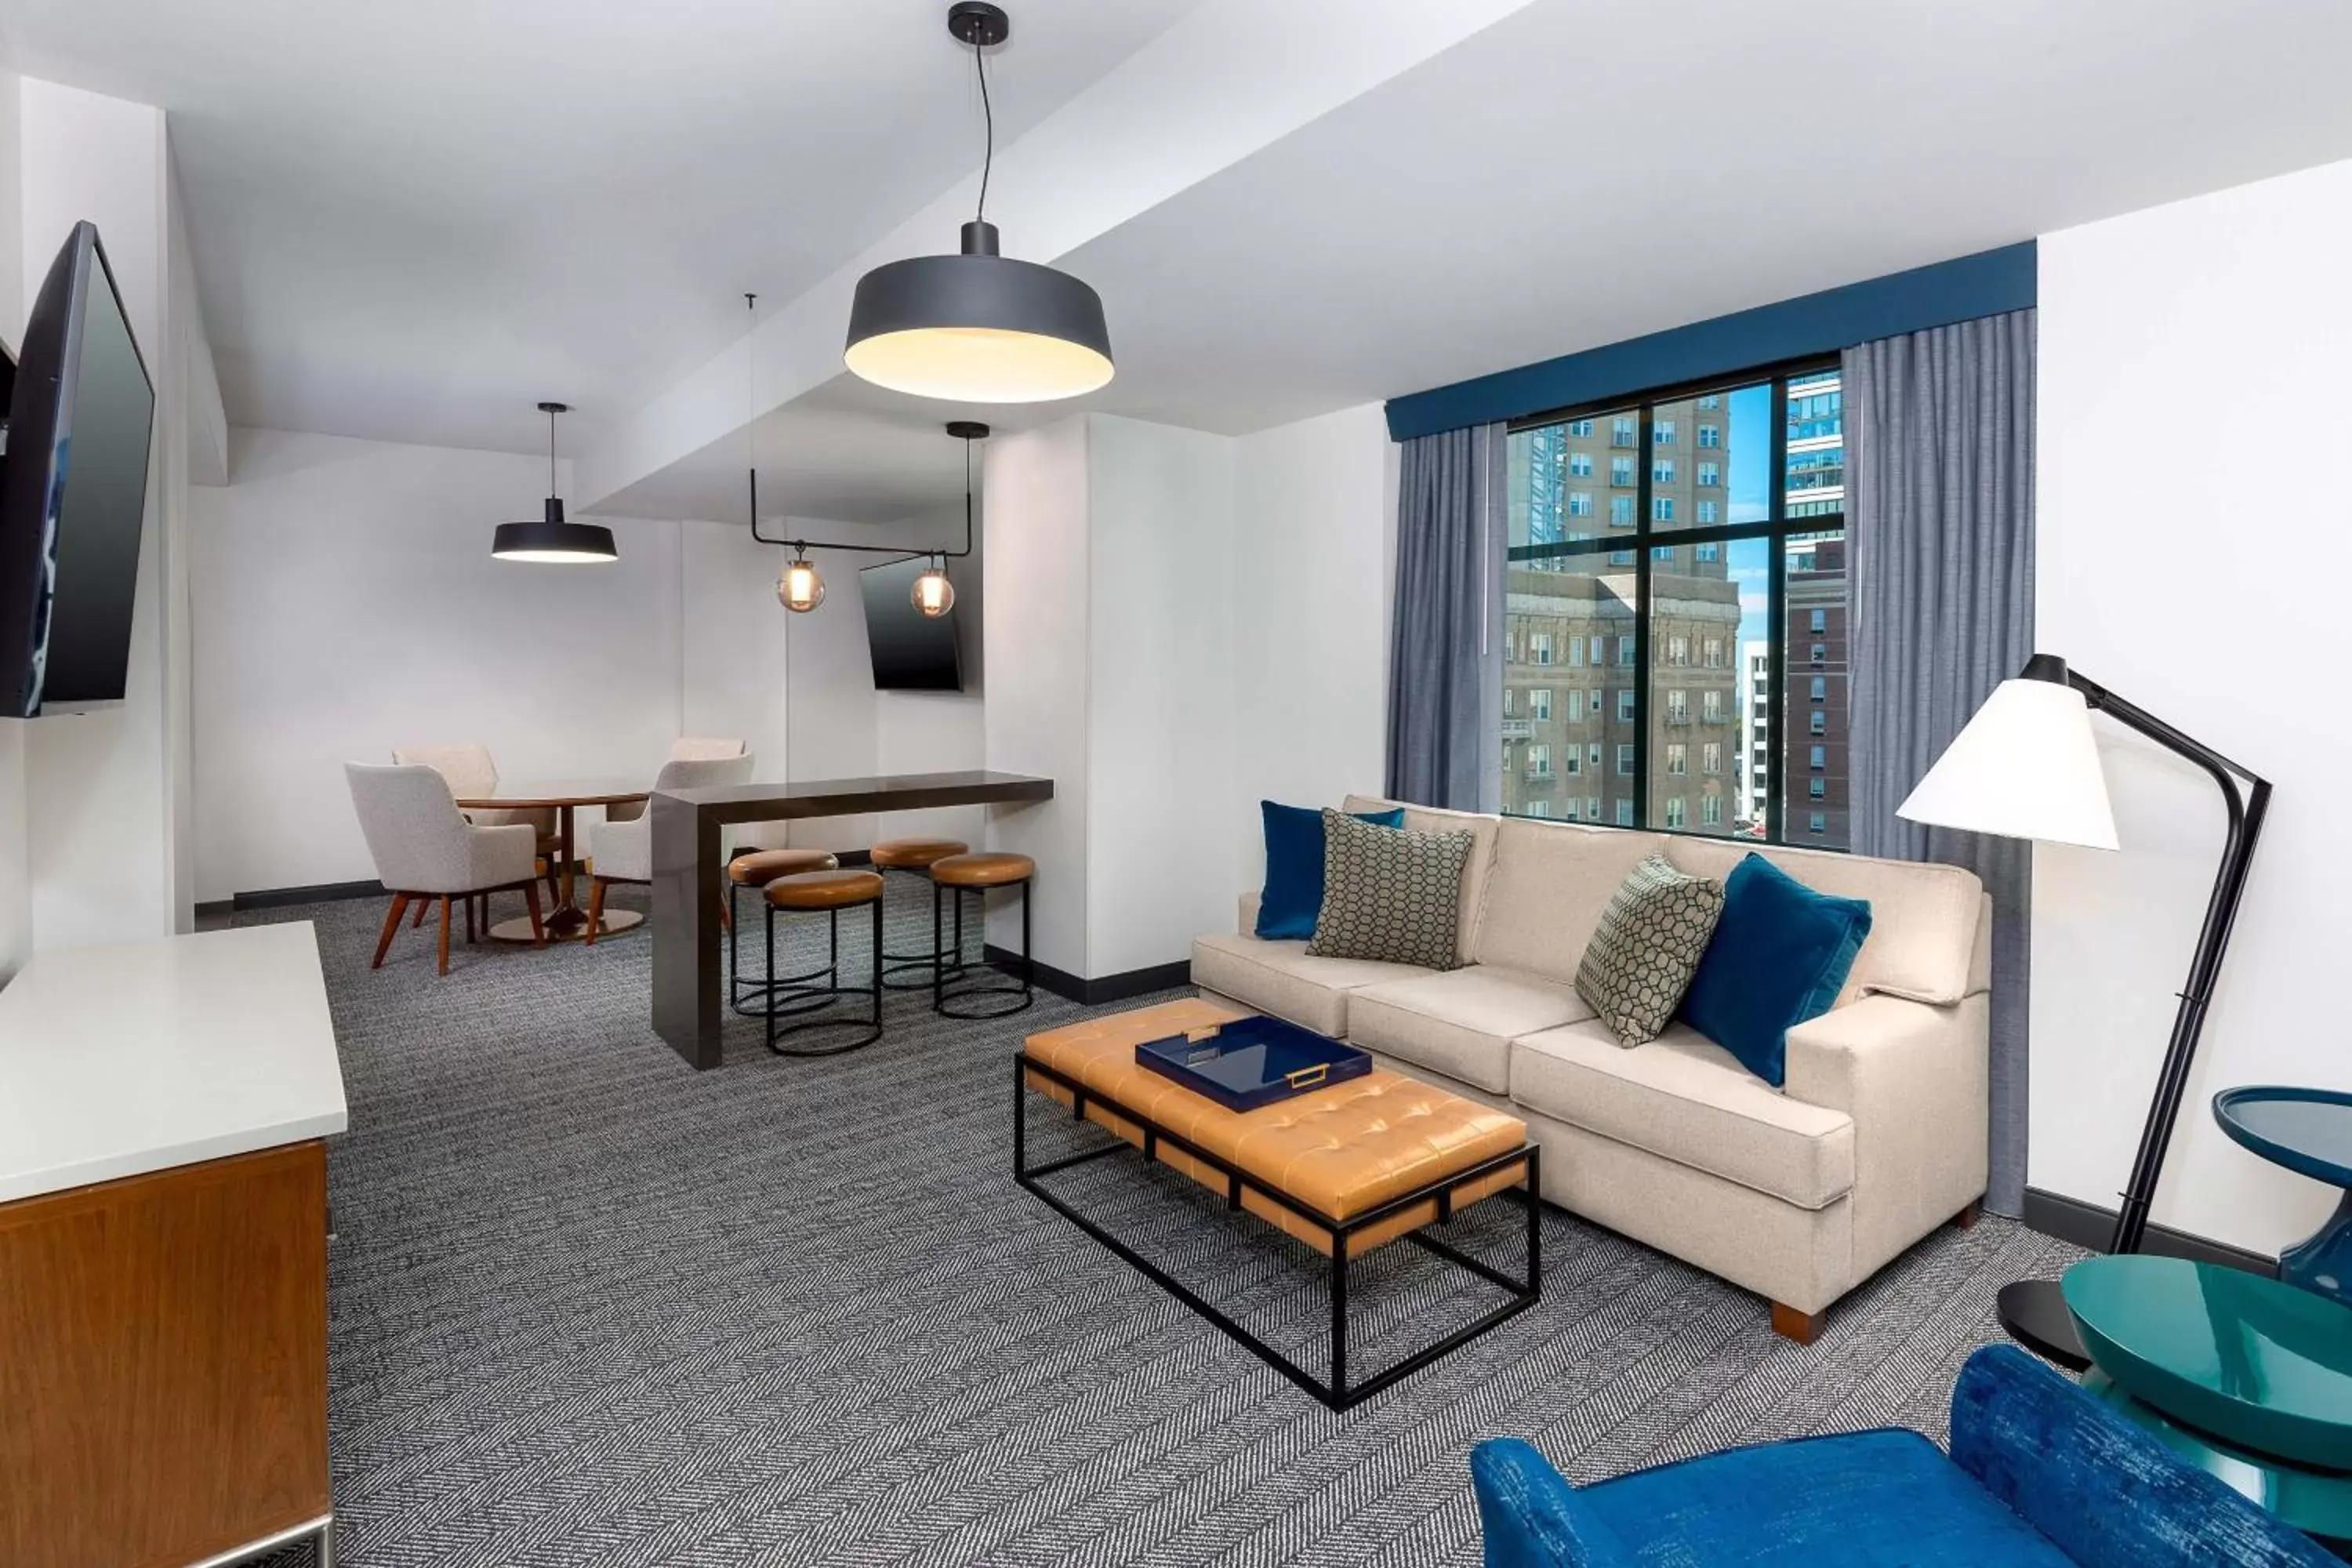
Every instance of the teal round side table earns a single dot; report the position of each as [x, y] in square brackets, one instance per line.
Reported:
[2250, 1360]
[2308, 1132]
[2317, 1502]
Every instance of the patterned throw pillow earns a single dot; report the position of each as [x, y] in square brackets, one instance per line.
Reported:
[1390, 894]
[1647, 947]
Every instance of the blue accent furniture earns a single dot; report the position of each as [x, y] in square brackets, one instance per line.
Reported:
[2040, 1473]
[1779, 956]
[1292, 899]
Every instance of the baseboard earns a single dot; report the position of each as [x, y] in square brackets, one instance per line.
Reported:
[2088, 1224]
[278, 897]
[1103, 988]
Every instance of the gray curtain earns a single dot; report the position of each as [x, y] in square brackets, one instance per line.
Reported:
[1939, 455]
[1446, 650]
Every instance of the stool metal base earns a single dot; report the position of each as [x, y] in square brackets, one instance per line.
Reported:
[811, 998]
[970, 1009]
[748, 996]
[919, 971]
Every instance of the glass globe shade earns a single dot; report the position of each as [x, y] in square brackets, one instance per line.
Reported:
[932, 593]
[799, 589]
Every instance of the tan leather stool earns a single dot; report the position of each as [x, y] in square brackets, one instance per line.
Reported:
[915, 857]
[757, 869]
[976, 874]
[826, 893]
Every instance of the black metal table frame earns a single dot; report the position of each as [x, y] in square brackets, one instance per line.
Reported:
[1338, 1394]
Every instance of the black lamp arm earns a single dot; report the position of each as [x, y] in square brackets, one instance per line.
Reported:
[2246, 814]
[752, 477]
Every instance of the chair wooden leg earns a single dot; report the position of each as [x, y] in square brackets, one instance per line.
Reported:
[445, 934]
[470, 920]
[391, 925]
[1802, 1327]
[423, 907]
[537, 930]
[1968, 1217]
[596, 886]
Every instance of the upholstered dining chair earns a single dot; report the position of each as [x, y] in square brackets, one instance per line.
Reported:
[424, 849]
[623, 851]
[472, 775]
[685, 749]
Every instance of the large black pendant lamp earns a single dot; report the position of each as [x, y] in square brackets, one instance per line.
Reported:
[551, 539]
[978, 327]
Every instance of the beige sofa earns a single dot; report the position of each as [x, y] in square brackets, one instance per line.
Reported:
[1797, 1194]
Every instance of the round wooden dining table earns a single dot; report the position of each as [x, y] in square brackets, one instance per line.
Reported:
[567, 922]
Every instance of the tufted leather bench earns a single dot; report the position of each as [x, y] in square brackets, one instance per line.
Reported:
[1341, 1149]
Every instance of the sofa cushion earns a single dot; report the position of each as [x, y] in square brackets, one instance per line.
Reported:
[1294, 868]
[1779, 957]
[1647, 947]
[1552, 880]
[1278, 977]
[1391, 894]
[1923, 930]
[1686, 1099]
[1461, 1023]
[1474, 873]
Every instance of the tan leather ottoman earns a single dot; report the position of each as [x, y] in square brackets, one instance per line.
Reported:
[1344, 1169]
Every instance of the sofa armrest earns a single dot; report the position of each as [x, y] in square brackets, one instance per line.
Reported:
[1248, 925]
[1913, 1078]
[1532, 1518]
[2107, 1493]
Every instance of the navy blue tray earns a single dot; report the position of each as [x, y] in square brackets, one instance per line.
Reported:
[1252, 1062]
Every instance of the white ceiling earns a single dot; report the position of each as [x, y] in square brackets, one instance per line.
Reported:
[413, 221]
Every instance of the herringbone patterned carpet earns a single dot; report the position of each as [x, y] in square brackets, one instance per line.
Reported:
[591, 1307]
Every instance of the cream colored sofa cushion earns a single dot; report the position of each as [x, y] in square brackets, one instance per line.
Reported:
[1688, 1098]
[1550, 884]
[1923, 917]
[1476, 873]
[1461, 1023]
[1278, 977]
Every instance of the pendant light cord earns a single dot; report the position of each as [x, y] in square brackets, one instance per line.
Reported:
[551, 451]
[988, 120]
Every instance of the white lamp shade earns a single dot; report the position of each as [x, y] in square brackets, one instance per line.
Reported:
[2025, 767]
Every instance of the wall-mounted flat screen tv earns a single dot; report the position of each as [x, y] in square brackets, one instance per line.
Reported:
[74, 491]
[912, 651]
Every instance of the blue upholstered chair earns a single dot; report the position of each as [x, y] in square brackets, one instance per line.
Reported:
[2040, 1473]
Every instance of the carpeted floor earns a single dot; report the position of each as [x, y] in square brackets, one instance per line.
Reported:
[591, 1307]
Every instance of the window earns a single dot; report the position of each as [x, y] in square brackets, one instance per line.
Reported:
[1819, 789]
[1820, 688]
[1538, 809]
[1575, 651]
[1817, 822]
[1538, 761]
[1817, 757]
[1539, 648]
[1696, 618]
[1596, 652]
[1580, 503]
[1571, 762]
[1540, 704]
[1576, 706]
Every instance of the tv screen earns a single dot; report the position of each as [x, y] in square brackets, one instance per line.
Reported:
[912, 651]
[74, 493]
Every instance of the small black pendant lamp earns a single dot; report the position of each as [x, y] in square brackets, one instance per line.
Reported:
[978, 327]
[550, 538]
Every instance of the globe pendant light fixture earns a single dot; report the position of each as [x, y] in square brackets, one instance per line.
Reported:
[933, 594]
[799, 589]
[978, 327]
[550, 538]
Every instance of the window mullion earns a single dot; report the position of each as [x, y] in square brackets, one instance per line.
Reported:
[1643, 460]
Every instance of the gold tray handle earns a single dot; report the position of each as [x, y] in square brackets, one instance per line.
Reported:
[1308, 1077]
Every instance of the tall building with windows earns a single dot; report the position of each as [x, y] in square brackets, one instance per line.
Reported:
[1813, 792]
[1755, 734]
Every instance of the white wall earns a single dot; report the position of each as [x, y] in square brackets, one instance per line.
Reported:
[1314, 557]
[1160, 867]
[347, 603]
[2204, 586]
[16, 861]
[98, 813]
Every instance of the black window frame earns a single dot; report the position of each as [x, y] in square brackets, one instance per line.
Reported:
[1779, 530]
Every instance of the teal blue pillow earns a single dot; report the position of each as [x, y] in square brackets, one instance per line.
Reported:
[1293, 896]
[1781, 955]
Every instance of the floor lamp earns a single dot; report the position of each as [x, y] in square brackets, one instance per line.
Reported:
[2026, 767]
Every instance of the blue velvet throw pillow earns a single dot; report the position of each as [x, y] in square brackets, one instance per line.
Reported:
[1294, 867]
[1779, 956]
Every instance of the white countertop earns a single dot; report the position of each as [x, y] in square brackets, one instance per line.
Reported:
[137, 1057]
